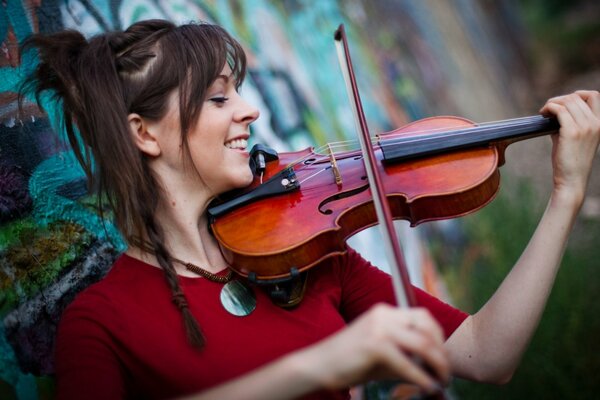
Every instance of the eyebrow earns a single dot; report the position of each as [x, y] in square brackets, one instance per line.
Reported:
[224, 77]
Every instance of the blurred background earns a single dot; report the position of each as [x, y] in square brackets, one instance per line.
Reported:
[484, 60]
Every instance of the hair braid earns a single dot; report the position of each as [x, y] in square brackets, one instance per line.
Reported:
[192, 328]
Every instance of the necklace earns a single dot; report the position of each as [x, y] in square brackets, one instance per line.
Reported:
[204, 273]
[236, 297]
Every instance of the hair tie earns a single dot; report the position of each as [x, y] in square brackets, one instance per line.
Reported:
[179, 300]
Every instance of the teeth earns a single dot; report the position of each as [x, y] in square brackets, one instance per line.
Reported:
[237, 144]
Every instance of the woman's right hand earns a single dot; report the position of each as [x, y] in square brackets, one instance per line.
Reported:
[385, 343]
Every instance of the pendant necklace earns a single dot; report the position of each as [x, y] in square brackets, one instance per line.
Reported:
[236, 297]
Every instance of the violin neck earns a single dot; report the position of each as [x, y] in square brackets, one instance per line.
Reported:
[501, 132]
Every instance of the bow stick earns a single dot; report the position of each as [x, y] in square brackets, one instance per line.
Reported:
[403, 290]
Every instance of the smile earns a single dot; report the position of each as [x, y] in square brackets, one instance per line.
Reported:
[237, 144]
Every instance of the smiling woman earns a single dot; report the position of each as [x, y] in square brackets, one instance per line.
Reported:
[158, 108]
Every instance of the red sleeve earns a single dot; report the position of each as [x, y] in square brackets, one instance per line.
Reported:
[364, 285]
[86, 364]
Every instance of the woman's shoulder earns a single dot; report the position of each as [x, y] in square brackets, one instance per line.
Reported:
[351, 264]
[126, 279]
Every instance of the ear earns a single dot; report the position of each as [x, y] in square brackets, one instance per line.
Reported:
[142, 137]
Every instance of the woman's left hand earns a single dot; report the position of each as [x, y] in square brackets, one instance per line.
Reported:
[575, 147]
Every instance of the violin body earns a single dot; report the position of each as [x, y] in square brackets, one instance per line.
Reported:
[270, 237]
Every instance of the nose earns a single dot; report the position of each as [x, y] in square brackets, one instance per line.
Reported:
[246, 112]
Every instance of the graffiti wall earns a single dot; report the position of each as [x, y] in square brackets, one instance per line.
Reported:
[413, 59]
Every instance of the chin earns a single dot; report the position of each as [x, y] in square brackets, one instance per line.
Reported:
[243, 179]
[249, 179]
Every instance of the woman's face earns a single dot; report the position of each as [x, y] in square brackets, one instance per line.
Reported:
[218, 142]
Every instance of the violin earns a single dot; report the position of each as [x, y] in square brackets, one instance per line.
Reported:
[311, 201]
[302, 206]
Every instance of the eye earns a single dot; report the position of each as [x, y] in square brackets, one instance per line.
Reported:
[219, 99]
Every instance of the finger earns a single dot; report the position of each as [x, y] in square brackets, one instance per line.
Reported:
[414, 331]
[402, 366]
[422, 320]
[419, 345]
[592, 98]
[580, 111]
[586, 123]
[565, 101]
[584, 106]
[416, 318]
[553, 100]
[560, 112]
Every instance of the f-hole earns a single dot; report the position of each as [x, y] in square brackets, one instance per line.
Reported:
[338, 196]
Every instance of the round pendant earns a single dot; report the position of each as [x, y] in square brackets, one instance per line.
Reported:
[237, 298]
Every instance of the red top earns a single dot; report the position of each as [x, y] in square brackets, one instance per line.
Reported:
[123, 338]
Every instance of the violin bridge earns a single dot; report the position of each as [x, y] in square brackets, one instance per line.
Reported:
[334, 167]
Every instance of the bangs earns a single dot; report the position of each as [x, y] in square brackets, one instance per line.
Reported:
[195, 55]
[212, 45]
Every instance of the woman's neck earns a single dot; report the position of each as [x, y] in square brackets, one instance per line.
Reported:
[186, 234]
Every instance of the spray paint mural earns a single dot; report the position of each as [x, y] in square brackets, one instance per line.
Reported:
[52, 242]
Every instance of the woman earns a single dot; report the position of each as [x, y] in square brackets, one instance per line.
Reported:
[158, 107]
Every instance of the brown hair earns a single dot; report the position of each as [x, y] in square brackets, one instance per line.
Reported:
[101, 81]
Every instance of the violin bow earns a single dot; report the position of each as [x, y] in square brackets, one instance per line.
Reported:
[402, 288]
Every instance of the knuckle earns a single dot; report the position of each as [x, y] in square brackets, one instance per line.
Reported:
[380, 311]
[378, 335]
[422, 344]
[559, 108]
[585, 130]
[432, 324]
[591, 93]
[554, 99]
[423, 314]
[377, 321]
[555, 105]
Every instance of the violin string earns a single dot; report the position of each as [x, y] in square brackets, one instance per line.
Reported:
[347, 143]
[312, 176]
[412, 139]
[515, 122]
[318, 151]
[406, 138]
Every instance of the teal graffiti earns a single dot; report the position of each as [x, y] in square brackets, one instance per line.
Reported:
[24, 384]
[15, 15]
[44, 183]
